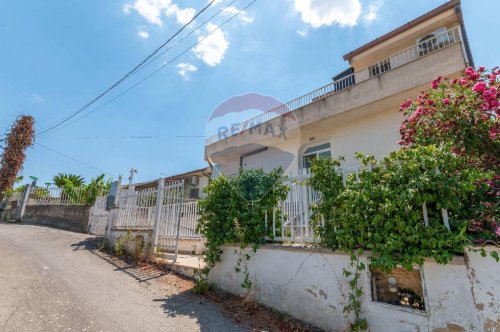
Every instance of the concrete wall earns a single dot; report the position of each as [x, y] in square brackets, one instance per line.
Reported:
[98, 219]
[309, 285]
[8, 214]
[70, 217]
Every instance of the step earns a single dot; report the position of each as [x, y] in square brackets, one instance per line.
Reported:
[185, 265]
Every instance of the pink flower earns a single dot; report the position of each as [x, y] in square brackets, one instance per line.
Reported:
[479, 87]
[430, 102]
[481, 68]
[493, 133]
[446, 101]
[463, 82]
[435, 83]
[469, 71]
[498, 231]
[405, 104]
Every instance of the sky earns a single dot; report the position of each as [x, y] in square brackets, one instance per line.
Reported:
[57, 55]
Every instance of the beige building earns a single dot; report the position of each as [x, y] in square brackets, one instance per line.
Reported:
[194, 182]
[359, 110]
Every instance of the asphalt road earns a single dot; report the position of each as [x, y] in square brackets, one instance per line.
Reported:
[51, 281]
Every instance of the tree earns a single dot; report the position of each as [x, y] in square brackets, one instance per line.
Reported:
[64, 179]
[20, 138]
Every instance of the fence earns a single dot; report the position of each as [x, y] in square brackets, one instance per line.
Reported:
[164, 210]
[431, 45]
[52, 195]
[292, 220]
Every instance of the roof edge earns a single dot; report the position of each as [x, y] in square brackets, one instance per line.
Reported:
[436, 11]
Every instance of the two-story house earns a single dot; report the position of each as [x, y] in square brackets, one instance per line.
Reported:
[359, 110]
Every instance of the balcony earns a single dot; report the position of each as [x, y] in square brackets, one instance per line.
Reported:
[422, 50]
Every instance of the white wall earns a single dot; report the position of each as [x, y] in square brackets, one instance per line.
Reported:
[310, 286]
[98, 218]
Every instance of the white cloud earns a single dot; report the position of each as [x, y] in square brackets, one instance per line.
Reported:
[37, 98]
[212, 49]
[372, 12]
[143, 34]
[153, 10]
[302, 32]
[320, 13]
[185, 69]
[183, 16]
[243, 16]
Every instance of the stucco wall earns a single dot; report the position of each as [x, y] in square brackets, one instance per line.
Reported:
[8, 214]
[98, 220]
[362, 118]
[310, 286]
[70, 217]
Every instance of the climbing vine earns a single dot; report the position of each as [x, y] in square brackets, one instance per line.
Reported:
[234, 212]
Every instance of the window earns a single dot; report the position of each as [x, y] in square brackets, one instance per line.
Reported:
[380, 67]
[322, 151]
[401, 288]
[194, 193]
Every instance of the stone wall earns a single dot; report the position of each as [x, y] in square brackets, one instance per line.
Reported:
[309, 285]
[69, 217]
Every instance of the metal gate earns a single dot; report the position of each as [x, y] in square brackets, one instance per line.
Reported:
[164, 210]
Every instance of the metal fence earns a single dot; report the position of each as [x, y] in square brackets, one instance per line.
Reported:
[293, 221]
[164, 210]
[431, 45]
[52, 195]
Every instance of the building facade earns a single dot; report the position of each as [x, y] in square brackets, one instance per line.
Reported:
[359, 110]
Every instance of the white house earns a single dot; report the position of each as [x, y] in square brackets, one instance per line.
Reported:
[359, 110]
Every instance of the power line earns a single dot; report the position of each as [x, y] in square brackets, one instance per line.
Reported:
[54, 162]
[76, 160]
[142, 137]
[71, 115]
[157, 70]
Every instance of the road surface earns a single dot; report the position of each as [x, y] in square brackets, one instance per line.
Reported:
[51, 281]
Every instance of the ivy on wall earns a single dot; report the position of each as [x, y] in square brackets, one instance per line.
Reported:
[234, 212]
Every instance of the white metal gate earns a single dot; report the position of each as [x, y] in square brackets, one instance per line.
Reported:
[164, 210]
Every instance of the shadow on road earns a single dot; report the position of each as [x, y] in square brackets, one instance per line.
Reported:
[139, 273]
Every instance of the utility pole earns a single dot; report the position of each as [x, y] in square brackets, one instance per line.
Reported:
[133, 171]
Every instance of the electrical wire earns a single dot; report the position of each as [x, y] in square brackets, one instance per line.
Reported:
[71, 158]
[81, 109]
[155, 71]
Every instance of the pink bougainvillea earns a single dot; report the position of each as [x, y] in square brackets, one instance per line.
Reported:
[463, 113]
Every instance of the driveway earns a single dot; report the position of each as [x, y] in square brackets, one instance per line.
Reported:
[51, 280]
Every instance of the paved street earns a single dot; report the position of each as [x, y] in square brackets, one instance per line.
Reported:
[51, 281]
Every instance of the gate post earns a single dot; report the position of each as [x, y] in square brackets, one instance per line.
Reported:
[24, 202]
[159, 205]
[179, 216]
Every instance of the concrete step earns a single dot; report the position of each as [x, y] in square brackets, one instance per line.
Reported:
[186, 265]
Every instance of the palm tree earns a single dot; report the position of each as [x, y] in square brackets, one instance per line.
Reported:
[63, 179]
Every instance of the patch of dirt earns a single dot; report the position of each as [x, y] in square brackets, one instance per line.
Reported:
[254, 316]
[243, 312]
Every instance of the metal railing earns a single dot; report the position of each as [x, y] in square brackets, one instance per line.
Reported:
[61, 196]
[293, 220]
[399, 59]
[136, 209]
[412, 53]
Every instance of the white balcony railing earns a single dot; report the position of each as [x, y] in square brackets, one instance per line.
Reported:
[410, 54]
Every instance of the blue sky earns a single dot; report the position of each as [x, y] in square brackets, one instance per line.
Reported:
[57, 54]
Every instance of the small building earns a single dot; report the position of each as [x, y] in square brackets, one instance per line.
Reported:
[359, 110]
[194, 182]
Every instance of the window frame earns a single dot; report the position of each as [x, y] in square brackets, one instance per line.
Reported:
[313, 151]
